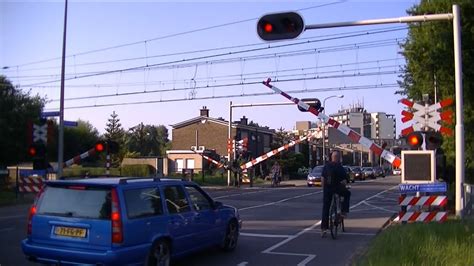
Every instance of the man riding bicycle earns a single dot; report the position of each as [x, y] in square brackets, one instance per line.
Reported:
[334, 180]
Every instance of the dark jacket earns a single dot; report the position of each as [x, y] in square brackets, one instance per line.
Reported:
[334, 174]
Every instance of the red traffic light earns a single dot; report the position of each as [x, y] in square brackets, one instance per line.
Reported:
[268, 27]
[32, 151]
[280, 26]
[415, 139]
[99, 147]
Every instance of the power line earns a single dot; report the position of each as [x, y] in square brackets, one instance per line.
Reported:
[160, 38]
[174, 63]
[246, 76]
[317, 77]
[267, 46]
[360, 87]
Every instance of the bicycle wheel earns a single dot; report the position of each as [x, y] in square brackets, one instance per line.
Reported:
[333, 222]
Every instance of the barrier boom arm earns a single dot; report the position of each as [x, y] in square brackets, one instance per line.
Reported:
[275, 151]
[354, 136]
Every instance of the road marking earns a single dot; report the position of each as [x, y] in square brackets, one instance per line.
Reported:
[371, 197]
[280, 201]
[240, 264]
[265, 235]
[13, 217]
[7, 229]
[238, 194]
[379, 208]
[308, 258]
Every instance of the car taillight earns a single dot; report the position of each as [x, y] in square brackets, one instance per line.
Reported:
[117, 236]
[32, 212]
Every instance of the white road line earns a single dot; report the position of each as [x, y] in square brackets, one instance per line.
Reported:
[379, 208]
[265, 235]
[7, 229]
[13, 217]
[308, 258]
[280, 201]
[371, 197]
[238, 194]
[242, 263]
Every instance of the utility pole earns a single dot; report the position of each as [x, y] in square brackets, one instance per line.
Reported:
[61, 101]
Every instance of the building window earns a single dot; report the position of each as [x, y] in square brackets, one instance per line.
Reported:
[190, 163]
[179, 165]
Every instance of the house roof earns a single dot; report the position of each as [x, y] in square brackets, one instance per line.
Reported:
[221, 122]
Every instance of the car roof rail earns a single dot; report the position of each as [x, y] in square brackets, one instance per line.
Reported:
[124, 180]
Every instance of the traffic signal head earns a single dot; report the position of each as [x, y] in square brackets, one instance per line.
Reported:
[37, 150]
[113, 146]
[99, 146]
[433, 140]
[280, 26]
[313, 102]
[415, 140]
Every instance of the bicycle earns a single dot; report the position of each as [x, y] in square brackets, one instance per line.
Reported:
[335, 217]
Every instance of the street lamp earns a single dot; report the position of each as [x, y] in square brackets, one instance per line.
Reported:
[324, 125]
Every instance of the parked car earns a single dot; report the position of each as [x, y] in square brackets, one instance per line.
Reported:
[314, 177]
[122, 221]
[349, 173]
[357, 173]
[368, 172]
[379, 172]
[397, 171]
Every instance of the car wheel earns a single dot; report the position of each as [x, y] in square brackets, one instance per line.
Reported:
[160, 254]
[231, 236]
[309, 185]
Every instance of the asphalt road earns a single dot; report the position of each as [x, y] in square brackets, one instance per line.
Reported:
[281, 226]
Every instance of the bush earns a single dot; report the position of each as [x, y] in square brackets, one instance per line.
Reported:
[137, 170]
[92, 171]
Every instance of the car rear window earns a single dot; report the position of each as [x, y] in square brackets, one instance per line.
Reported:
[143, 202]
[75, 201]
[317, 170]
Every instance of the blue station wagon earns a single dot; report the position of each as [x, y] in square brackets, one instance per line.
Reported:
[126, 221]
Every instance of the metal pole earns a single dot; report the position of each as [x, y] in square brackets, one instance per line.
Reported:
[408, 19]
[61, 102]
[459, 110]
[228, 137]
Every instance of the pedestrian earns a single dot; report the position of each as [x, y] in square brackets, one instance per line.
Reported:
[276, 173]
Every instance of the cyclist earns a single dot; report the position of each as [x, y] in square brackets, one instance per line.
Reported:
[334, 180]
[275, 174]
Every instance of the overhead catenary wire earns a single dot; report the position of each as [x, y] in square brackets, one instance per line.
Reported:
[360, 87]
[181, 61]
[160, 37]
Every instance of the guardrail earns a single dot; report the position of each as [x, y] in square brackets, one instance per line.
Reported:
[468, 199]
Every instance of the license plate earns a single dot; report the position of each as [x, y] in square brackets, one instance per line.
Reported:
[70, 231]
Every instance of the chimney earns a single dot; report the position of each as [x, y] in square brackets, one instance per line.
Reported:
[243, 120]
[204, 111]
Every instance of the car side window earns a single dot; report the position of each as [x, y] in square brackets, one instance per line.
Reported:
[143, 202]
[176, 201]
[198, 199]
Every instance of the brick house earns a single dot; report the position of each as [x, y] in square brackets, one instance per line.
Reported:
[205, 133]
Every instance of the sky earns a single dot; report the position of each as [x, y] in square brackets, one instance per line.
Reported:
[159, 62]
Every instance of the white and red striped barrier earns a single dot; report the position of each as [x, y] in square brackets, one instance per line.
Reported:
[275, 151]
[410, 202]
[77, 159]
[30, 184]
[437, 201]
[209, 159]
[425, 217]
[354, 136]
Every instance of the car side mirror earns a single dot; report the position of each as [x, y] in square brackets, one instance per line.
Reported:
[218, 204]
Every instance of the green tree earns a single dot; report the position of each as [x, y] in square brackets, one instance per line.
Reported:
[147, 140]
[17, 108]
[429, 54]
[79, 139]
[115, 132]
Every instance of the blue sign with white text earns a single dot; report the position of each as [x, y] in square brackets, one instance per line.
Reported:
[70, 123]
[48, 114]
[32, 172]
[430, 187]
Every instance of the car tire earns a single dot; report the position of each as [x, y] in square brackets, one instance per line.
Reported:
[160, 253]
[229, 243]
[309, 185]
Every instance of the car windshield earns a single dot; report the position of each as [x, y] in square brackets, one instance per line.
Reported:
[317, 170]
[80, 202]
